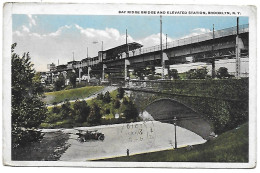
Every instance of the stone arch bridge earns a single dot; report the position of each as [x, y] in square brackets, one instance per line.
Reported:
[165, 109]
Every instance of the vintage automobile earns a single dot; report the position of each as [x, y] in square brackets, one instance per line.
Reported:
[87, 135]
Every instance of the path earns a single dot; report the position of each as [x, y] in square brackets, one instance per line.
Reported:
[104, 90]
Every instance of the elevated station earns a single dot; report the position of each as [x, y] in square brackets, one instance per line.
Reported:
[231, 43]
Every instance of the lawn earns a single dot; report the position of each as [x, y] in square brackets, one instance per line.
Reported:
[231, 146]
[107, 110]
[72, 94]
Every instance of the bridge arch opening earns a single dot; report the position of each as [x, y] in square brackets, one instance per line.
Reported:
[165, 109]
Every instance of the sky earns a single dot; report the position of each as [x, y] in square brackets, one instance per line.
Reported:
[54, 38]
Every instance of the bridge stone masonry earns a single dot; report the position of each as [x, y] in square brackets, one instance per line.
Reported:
[229, 43]
[218, 104]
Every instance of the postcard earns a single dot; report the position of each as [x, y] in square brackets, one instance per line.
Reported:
[129, 85]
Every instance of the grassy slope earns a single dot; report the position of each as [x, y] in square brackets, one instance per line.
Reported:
[72, 94]
[231, 146]
[68, 123]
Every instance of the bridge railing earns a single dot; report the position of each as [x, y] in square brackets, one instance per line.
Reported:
[189, 40]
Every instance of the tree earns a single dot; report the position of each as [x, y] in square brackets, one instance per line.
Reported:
[121, 93]
[81, 110]
[125, 101]
[174, 74]
[94, 115]
[28, 110]
[55, 109]
[130, 112]
[200, 73]
[66, 111]
[223, 73]
[107, 97]
[100, 96]
[59, 83]
[73, 79]
[116, 103]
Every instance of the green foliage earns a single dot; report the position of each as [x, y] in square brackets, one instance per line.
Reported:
[130, 112]
[66, 110]
[200, 73]
[107, 111]
[100, 96]
[95, 115]
[116, 103]
[121, 93]
[223, 73]
[125, 101]
[174, 74]
[107, 97]
[59, 83]
[72, 94]
[55, 109]
[100, 112]
[28, 111]
[81, 110]
[231, 146]
[72, 77]
[53, 117]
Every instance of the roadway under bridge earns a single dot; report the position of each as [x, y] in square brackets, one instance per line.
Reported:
[171, 111]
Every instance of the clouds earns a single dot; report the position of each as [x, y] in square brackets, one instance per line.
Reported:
[50, 47]
[197, 31]
[32, 21]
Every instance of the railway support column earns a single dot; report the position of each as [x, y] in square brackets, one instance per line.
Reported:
[89, 73]
[127, 62]
[103, 72]
[164, 58]
[80, 70]
[239, 46]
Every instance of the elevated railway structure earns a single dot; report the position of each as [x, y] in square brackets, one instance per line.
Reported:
[232, 43]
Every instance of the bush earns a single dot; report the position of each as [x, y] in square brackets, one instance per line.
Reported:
[66, 111]
[53, 117]
[116, 104]
[174, 74]
[107, 111]
[55, 110]
[94, 115]
[81, 110]
[107, 97]
[223, 73]
[72, 77]
[100, 96]
[200, 73]
[125, 101]
[59, 83]
[121, 93]
[130, 112]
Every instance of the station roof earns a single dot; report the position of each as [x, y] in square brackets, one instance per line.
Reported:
[122, 48]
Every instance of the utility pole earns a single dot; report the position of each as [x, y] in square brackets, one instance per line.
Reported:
[87, 52]
[237, 51]
[127, 44]
[104, 66]
[213, 58]
[127, 55]
[175, 133]
[161, 53]
[166, 41]
[73, 55]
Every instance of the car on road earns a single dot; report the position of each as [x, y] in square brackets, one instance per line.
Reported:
[84, 136]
